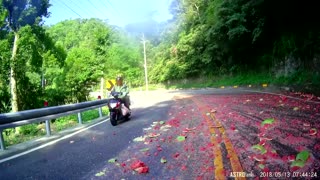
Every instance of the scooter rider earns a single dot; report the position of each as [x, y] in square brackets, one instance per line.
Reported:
[124, 89]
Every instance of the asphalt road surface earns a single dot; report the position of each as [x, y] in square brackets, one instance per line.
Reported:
[191, 134]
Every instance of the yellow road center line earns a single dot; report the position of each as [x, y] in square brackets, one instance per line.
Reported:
[234, 160]
[218, 161]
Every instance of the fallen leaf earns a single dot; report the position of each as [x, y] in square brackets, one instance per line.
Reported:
[302, 156]
[163, 160]
[147, 129]
[112, 160]
[71, 142]
[296, 108]
[298, 164]
[267, 121]
[100, 174]
[144, 149]
[161, 122]
[165, 127]
[261, 166]
[141, 138]
[181, 138]
[260, 148]
[153, 135]
[261, 99]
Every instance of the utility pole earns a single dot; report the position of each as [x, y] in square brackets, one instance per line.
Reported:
[145, 61]
[102, 87]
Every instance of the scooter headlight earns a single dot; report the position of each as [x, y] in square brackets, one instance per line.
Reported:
[113, 105]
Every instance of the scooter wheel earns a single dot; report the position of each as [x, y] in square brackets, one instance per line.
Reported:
[113, 119]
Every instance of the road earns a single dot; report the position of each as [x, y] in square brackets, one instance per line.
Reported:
[190, 134]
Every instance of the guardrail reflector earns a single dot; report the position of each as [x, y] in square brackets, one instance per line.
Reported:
[264, 85]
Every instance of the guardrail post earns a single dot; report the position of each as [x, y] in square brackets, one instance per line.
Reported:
[48, 129]
[100, 112]
[79, 118]
[100, 109]
[2, 146]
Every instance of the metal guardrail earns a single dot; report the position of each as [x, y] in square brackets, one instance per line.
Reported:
[11, 120]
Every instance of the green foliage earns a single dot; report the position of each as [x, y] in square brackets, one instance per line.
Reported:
[235, 36]
[94, 51]
[19, 17]
[21, 13]
[29, 129]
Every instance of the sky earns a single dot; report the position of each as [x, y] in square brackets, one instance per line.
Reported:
[117, 12]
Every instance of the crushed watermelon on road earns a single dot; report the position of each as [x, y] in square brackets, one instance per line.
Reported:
[211, 136]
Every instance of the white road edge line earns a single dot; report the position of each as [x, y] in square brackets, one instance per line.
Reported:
[50, 143]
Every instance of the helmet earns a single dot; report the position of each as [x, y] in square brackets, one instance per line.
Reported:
[119, 77]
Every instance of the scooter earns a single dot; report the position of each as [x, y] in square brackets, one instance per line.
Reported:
[118, 111]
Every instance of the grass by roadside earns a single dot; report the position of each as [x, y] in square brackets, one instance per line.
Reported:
[32, 131]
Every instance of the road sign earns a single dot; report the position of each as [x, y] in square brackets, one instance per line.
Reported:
[110, 84]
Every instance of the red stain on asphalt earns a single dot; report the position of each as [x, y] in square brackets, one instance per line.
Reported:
[176, 155]
[184, 168]
[241, 116]
[140, 167]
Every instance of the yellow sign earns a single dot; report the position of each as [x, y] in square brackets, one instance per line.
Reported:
[110, 84]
